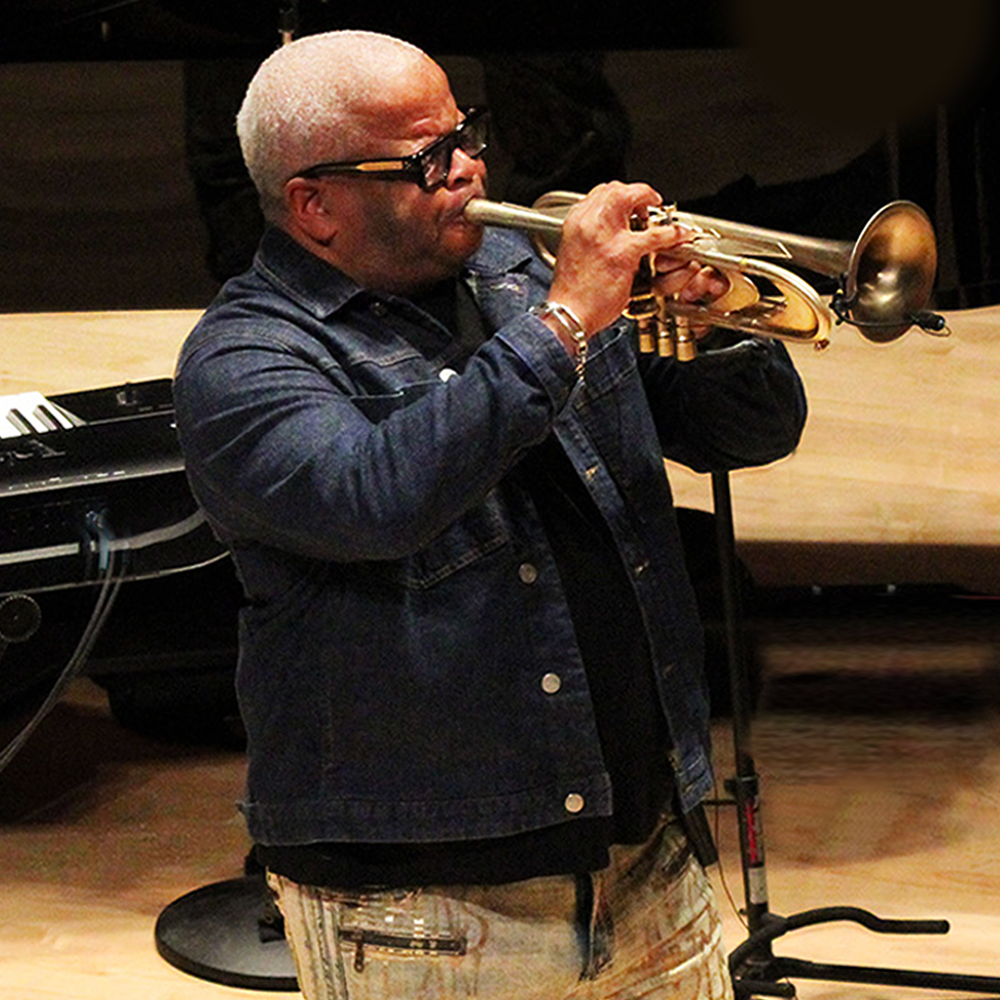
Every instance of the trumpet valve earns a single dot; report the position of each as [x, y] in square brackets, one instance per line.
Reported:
[649, 335]
[666, 340]
[685, 342]
[644, 309]
[643, 306]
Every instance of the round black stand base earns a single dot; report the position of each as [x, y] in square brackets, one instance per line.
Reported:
[215, 933]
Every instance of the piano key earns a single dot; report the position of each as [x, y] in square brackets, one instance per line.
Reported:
[31, 413]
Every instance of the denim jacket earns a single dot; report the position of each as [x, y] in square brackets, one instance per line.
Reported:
[408, 670]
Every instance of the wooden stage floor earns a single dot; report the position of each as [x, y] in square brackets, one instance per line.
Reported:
[880, 770]
[880, 762]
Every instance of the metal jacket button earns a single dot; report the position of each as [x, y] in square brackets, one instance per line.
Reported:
[573, 802]
[551, 683]
[527, 572]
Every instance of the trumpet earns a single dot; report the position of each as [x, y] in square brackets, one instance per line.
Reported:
[885, 278]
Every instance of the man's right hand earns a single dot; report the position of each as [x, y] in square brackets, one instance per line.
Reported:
[600, 254]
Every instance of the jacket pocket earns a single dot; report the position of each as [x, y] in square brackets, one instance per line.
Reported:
[476, 534]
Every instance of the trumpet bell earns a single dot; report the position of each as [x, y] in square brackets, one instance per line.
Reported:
[890, 276]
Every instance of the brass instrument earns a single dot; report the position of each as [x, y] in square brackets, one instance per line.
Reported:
[885, 277]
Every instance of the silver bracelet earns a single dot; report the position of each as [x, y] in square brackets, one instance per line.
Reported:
[569, 323]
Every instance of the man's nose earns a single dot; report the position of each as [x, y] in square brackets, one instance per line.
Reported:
[465, 168]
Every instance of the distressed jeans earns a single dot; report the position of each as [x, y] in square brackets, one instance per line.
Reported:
[645, 927]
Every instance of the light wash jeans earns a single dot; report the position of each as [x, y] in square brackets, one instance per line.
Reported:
[645, 927]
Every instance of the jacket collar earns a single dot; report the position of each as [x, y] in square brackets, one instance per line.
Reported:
[323, 290]
[501, 251]
[301, 276]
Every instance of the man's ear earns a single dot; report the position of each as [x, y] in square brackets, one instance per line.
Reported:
[309, 209]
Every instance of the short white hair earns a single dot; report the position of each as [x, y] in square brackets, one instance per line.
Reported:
[306, 101]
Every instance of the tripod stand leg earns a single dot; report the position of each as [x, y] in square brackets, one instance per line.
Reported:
[751, 978]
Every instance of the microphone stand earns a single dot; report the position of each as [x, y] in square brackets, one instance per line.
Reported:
[288, 20]
[753, 966]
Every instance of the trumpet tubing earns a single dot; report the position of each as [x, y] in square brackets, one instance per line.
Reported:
[886, 276]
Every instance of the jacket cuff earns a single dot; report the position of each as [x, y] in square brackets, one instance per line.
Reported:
[541, 351]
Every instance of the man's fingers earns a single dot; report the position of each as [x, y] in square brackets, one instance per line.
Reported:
[691, 282]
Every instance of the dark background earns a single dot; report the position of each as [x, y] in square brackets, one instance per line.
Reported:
[795, 117]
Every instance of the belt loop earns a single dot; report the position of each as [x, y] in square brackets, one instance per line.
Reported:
[595, 927]
[699, 835]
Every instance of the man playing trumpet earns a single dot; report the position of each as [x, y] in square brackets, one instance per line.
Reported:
[470, 658]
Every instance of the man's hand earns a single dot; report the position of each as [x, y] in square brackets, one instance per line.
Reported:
[688, 281]
[599, 255]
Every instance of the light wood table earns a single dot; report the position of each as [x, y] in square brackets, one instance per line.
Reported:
[898, 471]
[896, 480]
[65, 352]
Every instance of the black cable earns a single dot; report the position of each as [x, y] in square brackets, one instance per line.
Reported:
[110, 584]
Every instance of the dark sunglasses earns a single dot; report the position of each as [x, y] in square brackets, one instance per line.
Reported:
[429, 167]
